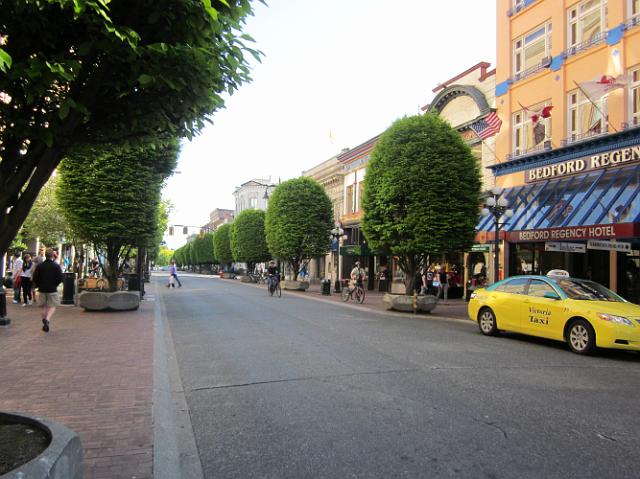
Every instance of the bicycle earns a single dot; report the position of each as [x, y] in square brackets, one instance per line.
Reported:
[356, 294]
[274, 288]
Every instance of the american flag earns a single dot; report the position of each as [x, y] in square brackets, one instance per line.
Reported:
[488, 126]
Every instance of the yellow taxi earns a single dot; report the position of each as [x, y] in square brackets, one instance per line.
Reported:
[580, 312]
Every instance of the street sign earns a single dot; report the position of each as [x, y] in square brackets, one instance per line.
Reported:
[483, 248]
[565, 247]
[609, 245]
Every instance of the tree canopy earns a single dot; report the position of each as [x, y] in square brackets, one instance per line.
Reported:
[298, 222]
[222, 244]
[85, 73]
[111, 197]
[203, 249]
[248, 241]
[421, 192]
[45, 220]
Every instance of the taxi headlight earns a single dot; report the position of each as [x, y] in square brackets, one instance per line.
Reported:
[614, 319]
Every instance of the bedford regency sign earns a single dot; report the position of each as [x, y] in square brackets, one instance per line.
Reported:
[581, 165]
[619, 230]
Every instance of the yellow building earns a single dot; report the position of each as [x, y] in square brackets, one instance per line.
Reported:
[572, 178]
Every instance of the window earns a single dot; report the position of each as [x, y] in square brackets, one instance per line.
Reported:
[634, 96]
[253, 202]
[350, 200]
[513, 286]
[635, 8]
[529, 50]
[587, 20]
[360, 190]
[526, 135]
[538, 288]
[585, 118]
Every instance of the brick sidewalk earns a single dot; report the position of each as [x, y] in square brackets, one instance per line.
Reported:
[93, 373]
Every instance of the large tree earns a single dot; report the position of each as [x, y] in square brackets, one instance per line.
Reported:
[86, 72]
[45, 220]
[110, 197]
[298, 222]
[203, 248]
[248, 241]
[421, 192]
[222, 244]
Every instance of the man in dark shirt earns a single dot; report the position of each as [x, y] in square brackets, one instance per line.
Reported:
[273, 275]
[46, 278]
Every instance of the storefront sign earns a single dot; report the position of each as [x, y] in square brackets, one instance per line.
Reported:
[565, 247]
[619, 230]
[609, 245]
[580, 165]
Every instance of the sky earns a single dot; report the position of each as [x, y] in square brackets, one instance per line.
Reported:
[334, 74]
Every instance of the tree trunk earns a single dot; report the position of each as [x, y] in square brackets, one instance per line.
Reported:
[411, 265]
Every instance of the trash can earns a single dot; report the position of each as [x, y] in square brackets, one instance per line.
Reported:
[68, 287]
[134, 282]
[326, 287]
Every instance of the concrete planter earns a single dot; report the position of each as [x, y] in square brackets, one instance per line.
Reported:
[61, 459]
[244, 279]
[116, 301]
[296, 285]
[402, 302]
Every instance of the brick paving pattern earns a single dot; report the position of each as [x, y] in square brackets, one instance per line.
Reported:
[93, 373]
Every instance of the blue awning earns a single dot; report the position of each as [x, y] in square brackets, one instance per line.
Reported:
[600, 197]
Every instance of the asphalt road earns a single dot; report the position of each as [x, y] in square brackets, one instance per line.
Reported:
[295, 388]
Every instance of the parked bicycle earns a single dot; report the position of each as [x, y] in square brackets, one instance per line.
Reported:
[356, 294]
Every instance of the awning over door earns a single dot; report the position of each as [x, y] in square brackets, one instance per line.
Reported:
[600, 197]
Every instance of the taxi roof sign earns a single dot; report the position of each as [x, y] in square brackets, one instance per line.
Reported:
[559, 272]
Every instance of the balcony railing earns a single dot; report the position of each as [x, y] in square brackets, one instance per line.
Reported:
[585, 136]
[544, 146]
[633, 123]
[632, 22]
[544, 63]
[580, 47]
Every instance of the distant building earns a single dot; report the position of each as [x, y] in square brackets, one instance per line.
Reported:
[329, 174]
[219, 217]
[253, 194]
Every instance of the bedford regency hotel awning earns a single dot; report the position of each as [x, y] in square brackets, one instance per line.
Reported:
[597, 204]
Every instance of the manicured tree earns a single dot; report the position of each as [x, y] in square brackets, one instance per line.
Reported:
[248, 241]
[222, 244]
[77, 73]
[203, 249]
[178, 255]
[421, 192]
[162, 220]
[189, 254]
[110, 197]
[164, 256]
[298, 222]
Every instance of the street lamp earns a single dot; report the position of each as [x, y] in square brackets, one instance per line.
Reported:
[496, 206]
[337, 234]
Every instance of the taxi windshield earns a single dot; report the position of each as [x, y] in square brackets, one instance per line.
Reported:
[587, 290]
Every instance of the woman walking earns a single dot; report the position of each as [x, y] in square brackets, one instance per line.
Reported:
[25, 278]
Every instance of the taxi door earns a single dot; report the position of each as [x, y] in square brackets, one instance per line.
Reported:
[506, 302]
[542, 316]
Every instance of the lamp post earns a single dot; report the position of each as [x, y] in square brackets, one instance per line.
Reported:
[496, 206]
[337, 234]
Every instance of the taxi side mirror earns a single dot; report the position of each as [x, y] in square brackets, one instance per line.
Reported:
[551, 295]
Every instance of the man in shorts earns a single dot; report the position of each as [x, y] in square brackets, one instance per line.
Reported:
[47, 277]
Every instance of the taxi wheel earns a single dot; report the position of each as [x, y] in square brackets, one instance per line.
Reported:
[487, 322]
[581, 337]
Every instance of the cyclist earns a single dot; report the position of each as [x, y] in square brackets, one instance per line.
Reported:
[357, 276]
[273, 275]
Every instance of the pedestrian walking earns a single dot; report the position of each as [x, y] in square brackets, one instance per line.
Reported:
[37, 261]
[16, 271]
[25, 279]
[46, 277]
[173, 274]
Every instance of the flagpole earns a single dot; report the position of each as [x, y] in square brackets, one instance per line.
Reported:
[596, 107]
[495, 157]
